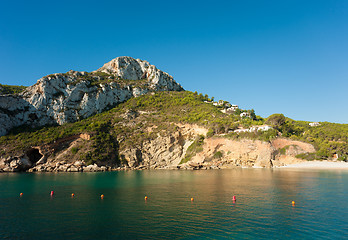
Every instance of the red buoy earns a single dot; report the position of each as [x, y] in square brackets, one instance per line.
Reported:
[234, 198]
[52, 193]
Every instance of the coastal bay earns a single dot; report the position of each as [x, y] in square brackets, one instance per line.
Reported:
[263, 208]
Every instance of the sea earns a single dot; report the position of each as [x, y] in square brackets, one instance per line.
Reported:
[182, 204]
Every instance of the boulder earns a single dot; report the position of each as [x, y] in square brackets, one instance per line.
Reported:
[20, 164]
[79, 163]
[92, 168]
[8, 169]
[72, 169]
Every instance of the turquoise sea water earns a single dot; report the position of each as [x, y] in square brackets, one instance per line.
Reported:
[263, 209]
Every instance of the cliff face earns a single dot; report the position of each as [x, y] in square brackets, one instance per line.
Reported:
[69, 97]
[226, 152]
[15, 111]
[166, 151]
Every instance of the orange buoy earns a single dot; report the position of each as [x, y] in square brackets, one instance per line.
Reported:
[192, 199]
[102, 196]
[145, 198]
[72, 195]
[21, 194]
[293, 203]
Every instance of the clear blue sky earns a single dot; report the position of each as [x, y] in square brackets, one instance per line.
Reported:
[274, 56]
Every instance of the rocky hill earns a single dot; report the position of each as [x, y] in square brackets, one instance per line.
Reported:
[161, 130]
[104, 121]
[68, 97]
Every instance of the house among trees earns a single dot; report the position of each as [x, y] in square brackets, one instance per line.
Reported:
[314, 124]
[230, 110]
[264, 128]
[244, 114]
[254, 129]
[241, 130]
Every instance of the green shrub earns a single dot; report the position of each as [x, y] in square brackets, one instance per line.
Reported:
[282, 151]
[307, 156]
[217, 155]
[74, 150]
[193, 149]
[210, 133]
[11, 89]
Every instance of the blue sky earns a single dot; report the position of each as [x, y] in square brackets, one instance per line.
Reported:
[286, 56]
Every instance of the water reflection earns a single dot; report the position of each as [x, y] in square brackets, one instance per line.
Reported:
[263, 208]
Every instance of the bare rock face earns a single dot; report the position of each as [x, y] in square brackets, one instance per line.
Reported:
[15, 111]
[161, 152]
[71, 97]
[225, 153]
[68, 97]
[136, 69]
[288, 149]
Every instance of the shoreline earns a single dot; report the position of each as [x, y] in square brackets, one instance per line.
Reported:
[312, 165]
[316, 164]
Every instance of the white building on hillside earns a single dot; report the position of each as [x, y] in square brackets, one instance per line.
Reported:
[264, 128]
[245, 114]
[241, 130]
[253, 129]
[314, 124]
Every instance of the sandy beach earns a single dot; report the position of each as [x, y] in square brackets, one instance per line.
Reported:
[319, 165]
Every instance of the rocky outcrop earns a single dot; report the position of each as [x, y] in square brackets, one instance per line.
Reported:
[221, 152]
[161, 152]
[286, 151]
[15, 111]
[72, 96]
[136, 69]
[15, 164]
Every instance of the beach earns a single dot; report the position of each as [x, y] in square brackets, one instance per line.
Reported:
[319, 165]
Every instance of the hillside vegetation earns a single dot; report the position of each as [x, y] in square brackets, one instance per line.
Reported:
[11, 89]
[143, 118]
[328, 138]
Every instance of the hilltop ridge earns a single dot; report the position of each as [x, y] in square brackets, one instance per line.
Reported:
[68, 97]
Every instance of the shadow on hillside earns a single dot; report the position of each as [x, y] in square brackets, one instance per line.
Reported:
[27, 129]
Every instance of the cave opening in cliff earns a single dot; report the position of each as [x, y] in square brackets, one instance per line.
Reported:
[34, 155]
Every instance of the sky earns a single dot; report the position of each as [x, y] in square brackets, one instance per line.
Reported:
[272, 56]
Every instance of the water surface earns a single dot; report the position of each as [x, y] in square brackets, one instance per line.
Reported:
[263, 209]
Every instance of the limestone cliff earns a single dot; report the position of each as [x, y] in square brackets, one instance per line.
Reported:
[72, 96]
[166, 151]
